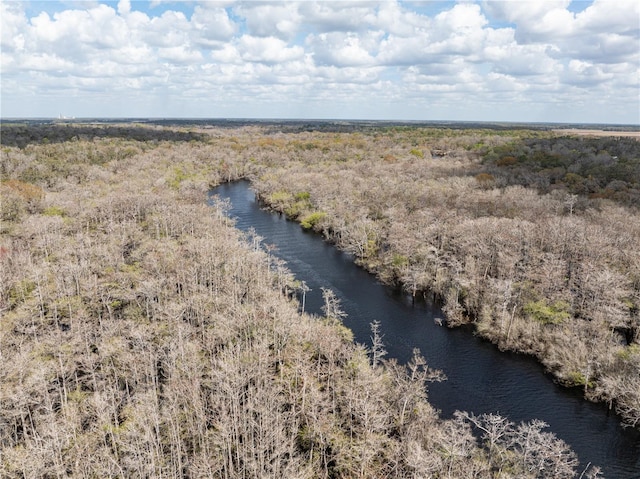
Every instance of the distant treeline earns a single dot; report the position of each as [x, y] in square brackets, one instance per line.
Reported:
[592, 167]
[141, 129]
[22, 134]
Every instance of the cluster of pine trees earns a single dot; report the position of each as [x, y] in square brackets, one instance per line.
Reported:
[141, 335]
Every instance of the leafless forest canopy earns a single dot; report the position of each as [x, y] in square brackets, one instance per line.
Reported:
[141, 335]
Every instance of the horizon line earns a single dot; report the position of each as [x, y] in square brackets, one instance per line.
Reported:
[290, 120]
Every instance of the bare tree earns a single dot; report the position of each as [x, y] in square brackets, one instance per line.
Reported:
[331, 307]
[377, 352]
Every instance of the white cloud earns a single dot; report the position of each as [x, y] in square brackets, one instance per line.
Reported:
[621, 16]
[581, 73]
[267, 50]
[213, 25]
[463, 16]
[278, 19]
[458, 31]
[46, 63]
[228, 53]
[520, 60]
[339, 16]
[600, 30]
[348, 75]
[13, 24]
[382, 55]
[504, 83]
[532, 17]
[124, 7]
[395, 50]
[395, 20]
[168, 30]
[344, 49]
[180, 54]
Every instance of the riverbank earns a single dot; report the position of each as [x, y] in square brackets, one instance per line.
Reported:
[543, 270]
[480, 378]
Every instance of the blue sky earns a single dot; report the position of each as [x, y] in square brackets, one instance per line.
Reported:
[544, 60]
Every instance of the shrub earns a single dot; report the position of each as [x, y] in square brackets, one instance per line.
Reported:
[20, 292]
[311, 220]
[576, 378]
[485, 180]
[555, 313]
[400, 261]
[27, 191]
[507, 161]
[178, 176]
[417, 153]
[279, 197]
[18, 197]
[302, 196]
[54, 211]
[629, 351]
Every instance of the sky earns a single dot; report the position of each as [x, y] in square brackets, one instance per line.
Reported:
[513, 61]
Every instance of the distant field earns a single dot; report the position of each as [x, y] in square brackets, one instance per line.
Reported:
[585, 132]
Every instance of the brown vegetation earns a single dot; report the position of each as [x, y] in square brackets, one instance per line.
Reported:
[142, 336]
[600, 133]
[511, 230]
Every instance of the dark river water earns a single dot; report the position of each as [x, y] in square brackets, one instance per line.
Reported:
[480, 379]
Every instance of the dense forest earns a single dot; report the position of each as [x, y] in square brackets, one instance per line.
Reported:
[531, 236]
[141, 335]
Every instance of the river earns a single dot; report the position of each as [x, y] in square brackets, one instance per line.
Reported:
[481, 379]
